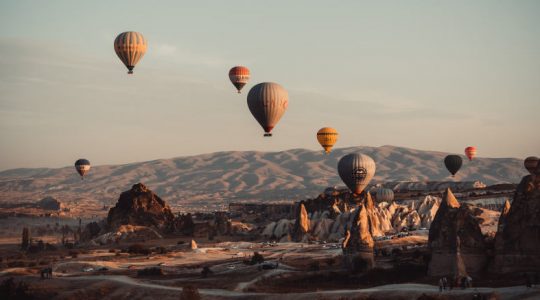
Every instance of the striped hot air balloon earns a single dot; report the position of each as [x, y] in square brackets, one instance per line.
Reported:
[327, 137]
[267, 102]
[470, 152]
[385, 195]
[356, 170]
[130, 47]
[82, 166]
[531, 163]
[239, 76]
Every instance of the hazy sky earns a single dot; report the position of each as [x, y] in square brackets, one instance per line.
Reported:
[421, 74]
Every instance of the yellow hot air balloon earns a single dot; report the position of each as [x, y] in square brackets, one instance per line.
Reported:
[130, 47]
[327, 137]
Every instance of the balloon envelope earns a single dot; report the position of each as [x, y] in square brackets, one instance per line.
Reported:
[531, 163]
[267, 102]
[82, 166]
[239, 76]
[470, 152]
[385, 195]
[327, 137]
[453, 163]
[130, 47]
[356, 170]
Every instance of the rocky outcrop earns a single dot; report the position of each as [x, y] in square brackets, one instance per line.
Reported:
[358, 243]
[517, 243]
[384, 218]
[456, 240]
[301, 226]
[127, 233]
[49, 203]
[140, 206]
[193, 245]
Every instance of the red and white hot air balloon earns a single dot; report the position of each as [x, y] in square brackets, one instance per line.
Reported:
[239, 76]
[470, 152]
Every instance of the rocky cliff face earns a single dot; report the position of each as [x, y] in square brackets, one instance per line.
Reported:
[456, 240]
[517, 243]
[140, 206]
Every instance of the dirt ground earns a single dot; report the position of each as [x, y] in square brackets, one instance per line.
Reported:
[291, 271]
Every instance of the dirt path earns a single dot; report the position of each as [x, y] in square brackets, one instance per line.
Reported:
[383, 292]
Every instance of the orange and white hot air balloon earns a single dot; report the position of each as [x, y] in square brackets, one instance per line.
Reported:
[239, 76]
[130, 47]
[327, 137]
[470, 152]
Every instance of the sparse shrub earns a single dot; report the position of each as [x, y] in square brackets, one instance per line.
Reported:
[73, 253]
[359, 264]
[153, 271]
[257, 258]
[190, 293]
[161, 250]
[206, 271]
[138, 249]
[396, 252]
[330, 261]
[181, 242]
[112, 250]
[314, 266]
[11, 290]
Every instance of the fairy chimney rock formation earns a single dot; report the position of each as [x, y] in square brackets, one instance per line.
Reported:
[359, 243]
[140, 206]
[517, 243]
[301, 226]
[193, 245]
[455, 239]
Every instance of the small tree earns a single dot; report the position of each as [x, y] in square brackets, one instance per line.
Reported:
[190, 293]
[206, 271]
[25, 238]
[257, 258]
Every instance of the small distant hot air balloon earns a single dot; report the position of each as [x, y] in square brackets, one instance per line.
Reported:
[356, 170]
[130, 47]
[239, 76]
[267, 102]
[470, 152]
[82, 166]
[385, 195]
[453, 163]
[531, 163]
[327, 137]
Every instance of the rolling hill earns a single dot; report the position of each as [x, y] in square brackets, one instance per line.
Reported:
[222, 177]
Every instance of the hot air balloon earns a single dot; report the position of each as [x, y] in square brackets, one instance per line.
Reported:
[470, 152]
[267, 102]
[82, 166]
[531, 163]
[453, 163]
[327, 137]
[239, 76]
[130, 47]
[385, 195]
[356, 170]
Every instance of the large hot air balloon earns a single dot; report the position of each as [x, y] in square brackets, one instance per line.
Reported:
[356, 170]
[453, 163]
[327, 137]
[385, 195]
[267, 102]
[239, 76]
[531, 163]
[130, 47]
[82, 166]
[470, 152]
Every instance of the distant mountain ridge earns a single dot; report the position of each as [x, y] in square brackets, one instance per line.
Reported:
[220, 177]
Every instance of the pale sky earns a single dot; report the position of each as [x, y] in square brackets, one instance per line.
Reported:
[428, 75]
